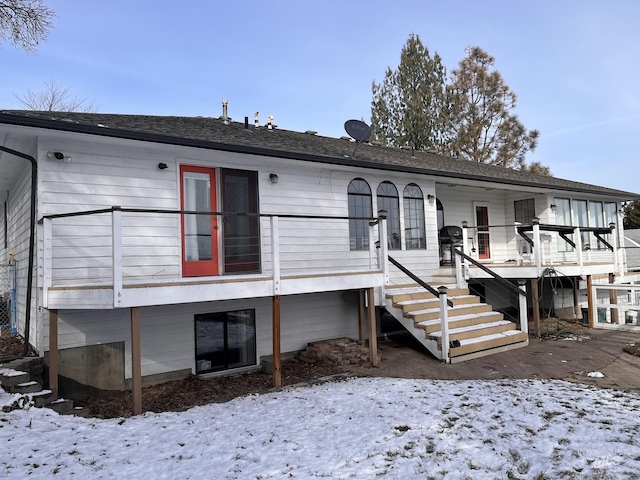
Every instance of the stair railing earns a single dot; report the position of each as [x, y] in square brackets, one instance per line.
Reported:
[519, 290]
[416, 279]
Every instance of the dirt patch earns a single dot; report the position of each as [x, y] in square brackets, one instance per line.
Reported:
[12, 346]
[180, 395]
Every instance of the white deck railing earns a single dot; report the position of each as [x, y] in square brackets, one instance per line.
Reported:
[543, 246]
[616, 305]
[118, 246]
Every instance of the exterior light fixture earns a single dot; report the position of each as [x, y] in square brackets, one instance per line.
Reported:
[162, 166]
[431, 199]
[274, 178]
[553, 207]
[58, 156]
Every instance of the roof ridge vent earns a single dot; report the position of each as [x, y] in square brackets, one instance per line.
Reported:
[311, 132]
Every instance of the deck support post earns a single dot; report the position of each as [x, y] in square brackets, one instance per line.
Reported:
[522, 305]
[590, 302]
[613, 299]
[53, 352]
[444, 323]
[277, 360]
[361, 316]
[116, 253]
[373, 332]
[537, 245]
[136, 361]
[535, 303]
[576, 298]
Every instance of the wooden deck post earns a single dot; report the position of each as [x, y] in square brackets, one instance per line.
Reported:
[576, 298]
[361, 316]
[136, 361]
[613, 299]
[373, 332]
[535, 303]
[277, 362]
[590, 303]
[53, 352]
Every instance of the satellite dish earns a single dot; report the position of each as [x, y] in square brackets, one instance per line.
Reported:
[358, 130]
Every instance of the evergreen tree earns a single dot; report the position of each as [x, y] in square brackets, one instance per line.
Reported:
[631, 214]
[406, 107]
[479, 118]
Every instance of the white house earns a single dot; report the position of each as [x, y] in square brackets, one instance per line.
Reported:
[282, 236]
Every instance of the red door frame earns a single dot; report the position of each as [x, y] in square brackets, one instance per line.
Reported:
[482, 222]
[200, 268]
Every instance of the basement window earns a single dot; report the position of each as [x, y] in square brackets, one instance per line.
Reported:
[225, 340]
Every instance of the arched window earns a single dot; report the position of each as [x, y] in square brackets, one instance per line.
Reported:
[359, 194]
[388, 200]
[414, 230]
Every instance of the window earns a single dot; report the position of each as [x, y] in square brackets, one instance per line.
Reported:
[388, 200]
[610, 216]
[241, 233]
[563, 217]
[596, 219]
[414, 229]
[581, 219]
[359, 194]
[524, 211]
[225, 340]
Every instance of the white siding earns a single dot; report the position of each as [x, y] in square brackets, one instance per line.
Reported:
[19, 205]
[167, 332]
[105, 173]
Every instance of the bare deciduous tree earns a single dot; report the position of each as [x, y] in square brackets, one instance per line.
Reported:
[55, 98]
[25, 23]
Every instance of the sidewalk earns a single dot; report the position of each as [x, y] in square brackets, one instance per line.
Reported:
[570, 359]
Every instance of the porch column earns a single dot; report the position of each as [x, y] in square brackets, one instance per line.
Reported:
[361, 316]
[444, 323]
[613, 299]
[590, 303]
[275, 320]
[373, 333]
[535, 303]
[522, 305]
[53, 352]
[576, 297]
[136, 361]
[537, 245]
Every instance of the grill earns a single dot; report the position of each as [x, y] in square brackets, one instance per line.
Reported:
[449, 236]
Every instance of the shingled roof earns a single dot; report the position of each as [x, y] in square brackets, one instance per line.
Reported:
[213, 133]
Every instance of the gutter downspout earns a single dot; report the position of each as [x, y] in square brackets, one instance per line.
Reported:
[32, 236]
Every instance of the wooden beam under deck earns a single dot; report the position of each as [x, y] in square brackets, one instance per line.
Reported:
[53, 352]
[373, 332]
[277, 361]
[136, 361]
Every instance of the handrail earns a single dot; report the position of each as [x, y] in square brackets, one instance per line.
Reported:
[199, 212]
[418, 280]
[504, 282]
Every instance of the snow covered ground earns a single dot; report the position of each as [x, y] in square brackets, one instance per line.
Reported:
[359, 428]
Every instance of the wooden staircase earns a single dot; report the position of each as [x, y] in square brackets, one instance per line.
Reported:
[475, 330]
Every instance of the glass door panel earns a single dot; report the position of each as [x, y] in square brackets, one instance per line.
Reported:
[199, 232]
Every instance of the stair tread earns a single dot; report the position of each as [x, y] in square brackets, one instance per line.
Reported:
[413, 289]
[470, 328]
[458, 318]
[454, 308]
[413, 302]
[41, 393]
[484, 338]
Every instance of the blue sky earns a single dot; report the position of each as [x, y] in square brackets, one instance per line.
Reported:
[574, 64]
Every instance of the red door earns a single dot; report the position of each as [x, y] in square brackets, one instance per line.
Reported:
[199, 232]
[482, 222]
